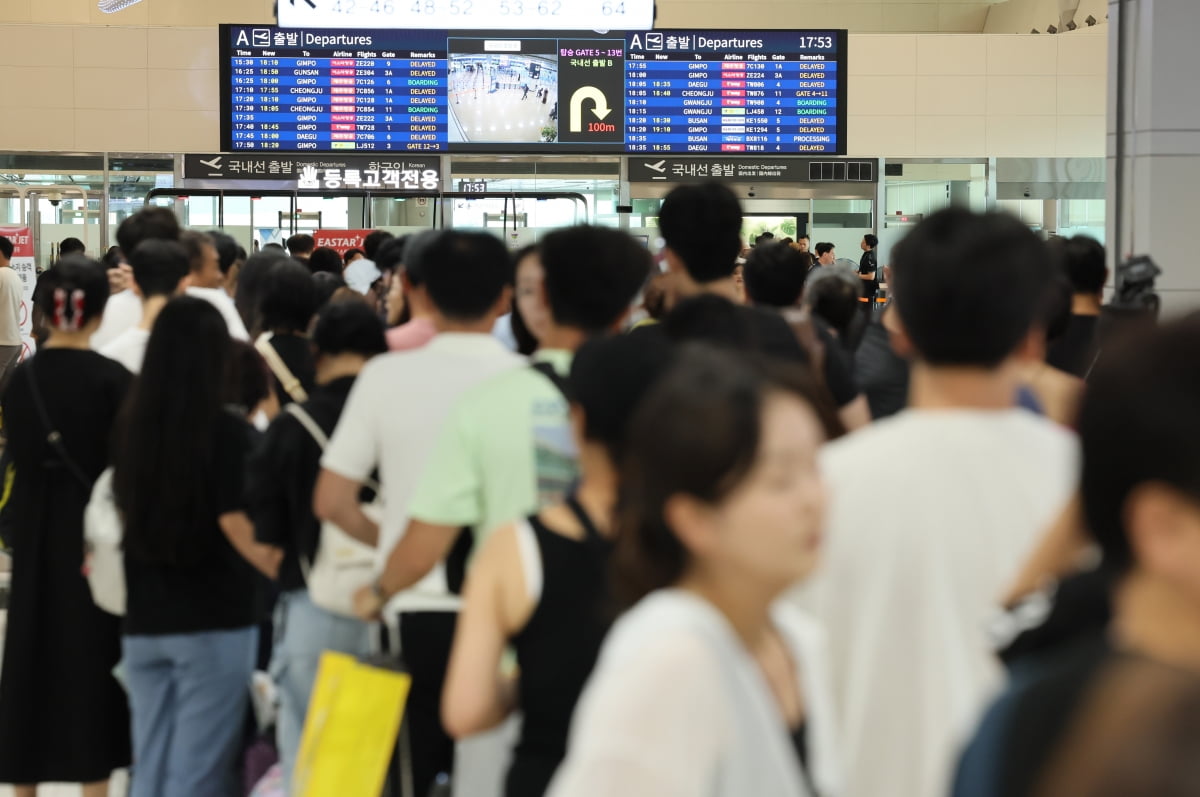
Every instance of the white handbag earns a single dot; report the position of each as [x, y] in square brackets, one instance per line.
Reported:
[343, 565]
[104, 531]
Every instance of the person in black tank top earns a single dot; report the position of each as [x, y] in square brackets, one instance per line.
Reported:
[559, 644]
[541, 584]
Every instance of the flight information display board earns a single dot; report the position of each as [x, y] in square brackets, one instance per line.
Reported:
[430, 91]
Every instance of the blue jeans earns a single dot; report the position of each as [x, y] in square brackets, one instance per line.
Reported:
[188, 694]
[302, 633]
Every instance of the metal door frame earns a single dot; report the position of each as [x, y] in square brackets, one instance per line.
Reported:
[440, 198]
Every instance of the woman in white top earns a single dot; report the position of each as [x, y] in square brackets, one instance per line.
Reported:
[707, 686]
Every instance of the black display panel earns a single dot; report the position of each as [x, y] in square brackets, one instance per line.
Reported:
[637, 92]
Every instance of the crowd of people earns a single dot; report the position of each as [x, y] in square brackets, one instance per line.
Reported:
[704, 525]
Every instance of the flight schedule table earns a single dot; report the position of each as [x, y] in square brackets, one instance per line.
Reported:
[712, 92]
[298, 103]
[777, 93]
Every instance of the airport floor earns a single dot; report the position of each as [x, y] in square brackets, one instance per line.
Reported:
[117, 787]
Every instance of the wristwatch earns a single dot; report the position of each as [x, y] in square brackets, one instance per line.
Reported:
[378, 591]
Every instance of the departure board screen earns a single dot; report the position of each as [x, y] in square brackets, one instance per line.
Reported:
[430, 91]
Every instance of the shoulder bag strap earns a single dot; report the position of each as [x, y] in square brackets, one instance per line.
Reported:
[53, 436]
[306, 420]
[589, 528]
[318, 435]
[547, 370]
[278, 367]
[322, 440]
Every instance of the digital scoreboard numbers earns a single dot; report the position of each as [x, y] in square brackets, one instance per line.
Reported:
[431, 91]
[474, 14]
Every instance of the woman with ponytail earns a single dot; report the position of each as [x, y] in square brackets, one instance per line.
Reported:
[63, 716]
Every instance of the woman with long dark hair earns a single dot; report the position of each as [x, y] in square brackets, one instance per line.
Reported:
[63, 716]
[190, 556]
[709, 685]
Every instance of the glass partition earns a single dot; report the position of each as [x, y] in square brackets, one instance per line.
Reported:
[843, 223]
[524, 220]
[922, 188]
[238, 215]
[68, 196]
[404, 215]
[1082, 217]
[1030, 211]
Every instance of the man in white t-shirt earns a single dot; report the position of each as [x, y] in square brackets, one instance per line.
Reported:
[11, 294]
[160, 271]
[933, 511]
[391, 422]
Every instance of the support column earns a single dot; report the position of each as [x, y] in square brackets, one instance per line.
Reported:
[1155, 97]
[1049, 217]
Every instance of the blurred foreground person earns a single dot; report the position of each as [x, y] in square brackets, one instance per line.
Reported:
[541, 584]
[963, 484]
[708, 685]
[1141, 505]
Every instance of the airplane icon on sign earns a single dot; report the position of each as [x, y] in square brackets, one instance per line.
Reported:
[659, 167]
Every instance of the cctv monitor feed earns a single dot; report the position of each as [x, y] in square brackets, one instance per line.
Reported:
[501, 98]
[671, 92]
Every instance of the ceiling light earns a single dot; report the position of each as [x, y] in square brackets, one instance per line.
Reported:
[1071, 25]
[1052, 29]
[113, 6]
[1090, 20]
[1035, 31]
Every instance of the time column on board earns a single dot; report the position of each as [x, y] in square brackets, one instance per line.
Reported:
[637, 110]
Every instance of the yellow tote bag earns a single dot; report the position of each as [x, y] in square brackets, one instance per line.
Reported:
[350, 732]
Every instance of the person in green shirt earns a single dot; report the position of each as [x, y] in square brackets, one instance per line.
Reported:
[506, 449]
